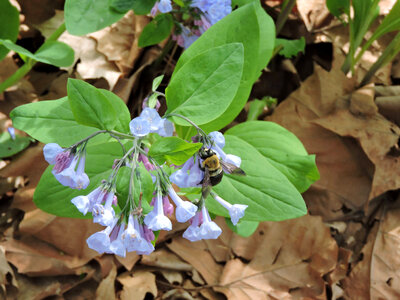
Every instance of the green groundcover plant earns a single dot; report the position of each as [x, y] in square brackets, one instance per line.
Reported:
[119, 171]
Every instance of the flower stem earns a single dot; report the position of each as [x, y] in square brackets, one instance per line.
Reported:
[283, 16]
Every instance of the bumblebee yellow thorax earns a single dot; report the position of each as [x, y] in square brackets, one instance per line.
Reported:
[212, 163]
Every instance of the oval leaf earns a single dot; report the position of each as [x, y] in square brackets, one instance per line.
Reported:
[173, 150]
[9, 25]
[282, 149]
[204, 87]
[156, 31]
[89, 105]
[86, 16]
[50, 122]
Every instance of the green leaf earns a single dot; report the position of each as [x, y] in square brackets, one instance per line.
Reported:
[54, 198]
[10, 147]
[50, 122]
[338, 7]
[86, 16]
[122, 111]
[282, 149]
[90, 106]
[291, 47]
[55, 53]
[252, 27]
[146, 187]
[121, 6]
[141, 7]
[243, 228]
[156, 31]
[206, 85]
[390, 23]
[153, 100]
[52, 52]
[240, 3]
[256, 107]
[173, 149]
[268, 193]
[157, 82]
[9, 25]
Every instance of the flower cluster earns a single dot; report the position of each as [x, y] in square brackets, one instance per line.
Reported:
[130, 227]
[200, 15]
[150, 121]
[69, 165]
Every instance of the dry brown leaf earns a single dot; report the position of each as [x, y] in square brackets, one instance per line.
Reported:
[376, 135]
[162, 258]
[129, 260]
[92, 63]
[106, 289]
[345, 170]
[136, 285]
[197, 255]
[385, 261]
[119, 42]
[7, 277]
[314, 13]
[290, 259]
[357, 285]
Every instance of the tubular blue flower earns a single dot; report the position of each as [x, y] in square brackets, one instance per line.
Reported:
[192, 233]
[168, 207]
[166, 128]
[209, 229]
[11, 131]
[156, 220]
[203, 5]
[218, 138]
[164, 6]
[196, 175]
[100, 241]
[81, 180]
[134, 238]
[117, 245]
[104, 215]
[51, 151]
[236, 211]
[186, 37]
[180, 176]
[185, 210]
[218, 10]
[152, 116]
[154, 10]
[139, 127]
[85, 203]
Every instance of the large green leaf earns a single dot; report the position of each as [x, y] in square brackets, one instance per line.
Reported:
[157, 30]
[52, 52]
[139, 7]
[86, 16]
[268, 193]
[90, 106]
[54, 198]
[338, 7]
[206, 85]
[282, 149]
[9, 25]
[122, 111]
[173, 150]
[50, 122]
[252, 27]
[11, 146]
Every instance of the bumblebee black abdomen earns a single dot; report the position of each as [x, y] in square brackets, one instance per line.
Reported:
[216, 176]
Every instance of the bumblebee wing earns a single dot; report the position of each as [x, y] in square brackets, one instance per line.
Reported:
[206, 186]
[231, 168]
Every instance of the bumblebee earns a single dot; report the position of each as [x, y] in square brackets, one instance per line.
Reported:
[214, 169]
